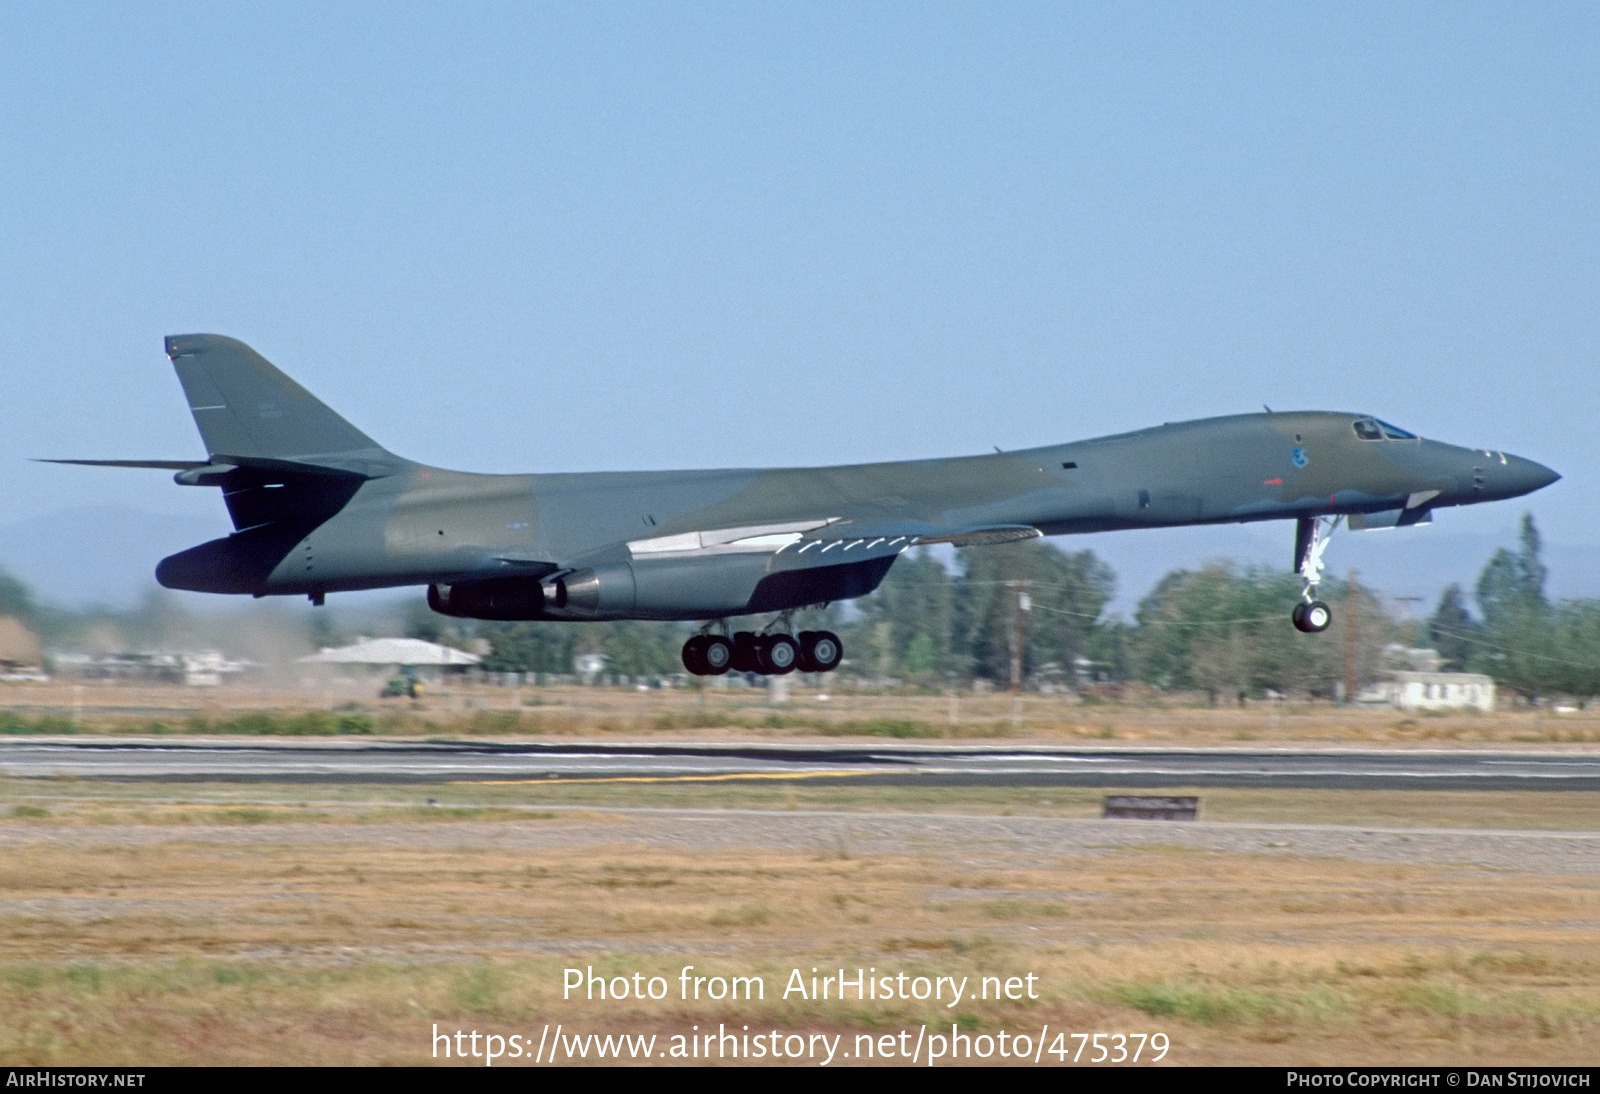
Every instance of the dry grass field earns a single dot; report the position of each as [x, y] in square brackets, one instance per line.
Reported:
[743, 712]
[150, 924]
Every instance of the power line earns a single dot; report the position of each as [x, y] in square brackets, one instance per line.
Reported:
[1477, 641]
[1168, 622]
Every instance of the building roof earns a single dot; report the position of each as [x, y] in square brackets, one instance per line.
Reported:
[1442, 678]
[18, 646]
[394, 651]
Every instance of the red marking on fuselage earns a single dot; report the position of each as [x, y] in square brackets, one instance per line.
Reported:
[1271, 482]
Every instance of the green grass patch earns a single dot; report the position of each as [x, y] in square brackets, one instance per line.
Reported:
[1023, 909]
[1445, 1000]
[880, 727]
[13, 723]
[478, 989]
[311, 723]
[746, 915]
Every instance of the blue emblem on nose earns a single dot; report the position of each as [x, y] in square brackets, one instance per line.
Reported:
[1299, 458]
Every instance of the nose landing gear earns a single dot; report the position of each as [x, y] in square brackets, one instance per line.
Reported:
[1310, 541]
[1311, 617]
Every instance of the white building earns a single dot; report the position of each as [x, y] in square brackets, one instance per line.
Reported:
[389, 655]
[1433, 691]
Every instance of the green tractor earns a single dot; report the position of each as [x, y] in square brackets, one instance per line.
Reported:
[404, 686]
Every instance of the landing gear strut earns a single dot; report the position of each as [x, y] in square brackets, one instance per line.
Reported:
[768, 654]
[1310, 541]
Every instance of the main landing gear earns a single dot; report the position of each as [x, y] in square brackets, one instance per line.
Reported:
[768, 654]
[1310, 541]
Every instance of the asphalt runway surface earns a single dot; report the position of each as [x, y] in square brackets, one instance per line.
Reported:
[877, 763]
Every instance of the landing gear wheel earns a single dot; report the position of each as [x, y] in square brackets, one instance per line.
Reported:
[716, 655]
[779, 654]
[1312, 618]
[746, 656]
[694, 655]
[820, 651]
[707, 655]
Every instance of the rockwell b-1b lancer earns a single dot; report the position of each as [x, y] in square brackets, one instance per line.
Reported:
[320, 507]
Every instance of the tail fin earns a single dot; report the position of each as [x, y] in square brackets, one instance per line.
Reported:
[285, 463]
[247, 409]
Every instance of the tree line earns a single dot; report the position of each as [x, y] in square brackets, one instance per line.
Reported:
[1034, 612]
[1028, 611]
[1519, 636]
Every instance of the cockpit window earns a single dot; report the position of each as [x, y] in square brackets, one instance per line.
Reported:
[1371, 429]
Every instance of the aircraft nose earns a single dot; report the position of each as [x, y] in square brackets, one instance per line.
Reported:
[1519, 476]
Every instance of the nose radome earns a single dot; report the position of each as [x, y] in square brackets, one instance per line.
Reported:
[1524, 476]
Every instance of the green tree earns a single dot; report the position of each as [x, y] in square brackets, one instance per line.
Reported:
[1110, 649]
[1513, 582]
[1066, 593]
[637, 649]
[1453, 631]
[631, 647]
[16, 599]
[911, 611]
[425, 623]
[1518, 647]
[1573, 666]
[529, 647]
[1227, 632]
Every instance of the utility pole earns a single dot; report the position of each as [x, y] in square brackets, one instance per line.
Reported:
[1024, 605]
[1350, 638]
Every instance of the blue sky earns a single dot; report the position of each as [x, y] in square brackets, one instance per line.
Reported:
[596, 237]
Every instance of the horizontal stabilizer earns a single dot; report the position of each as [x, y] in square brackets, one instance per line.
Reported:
[157, 465]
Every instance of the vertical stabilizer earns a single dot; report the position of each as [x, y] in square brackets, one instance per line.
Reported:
[246, 408]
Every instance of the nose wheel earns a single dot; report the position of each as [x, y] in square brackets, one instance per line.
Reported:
[1311, 617]
[1311, 534]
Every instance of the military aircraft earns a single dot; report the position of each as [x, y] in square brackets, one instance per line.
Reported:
[320, 507]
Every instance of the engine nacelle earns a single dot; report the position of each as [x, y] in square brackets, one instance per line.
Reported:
[678, 588]
[605, 592]
[504, 598]
[667, 588]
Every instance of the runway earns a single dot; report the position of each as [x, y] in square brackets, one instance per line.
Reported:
[346, 760]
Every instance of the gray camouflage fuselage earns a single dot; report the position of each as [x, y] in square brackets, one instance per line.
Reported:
[321, 508]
